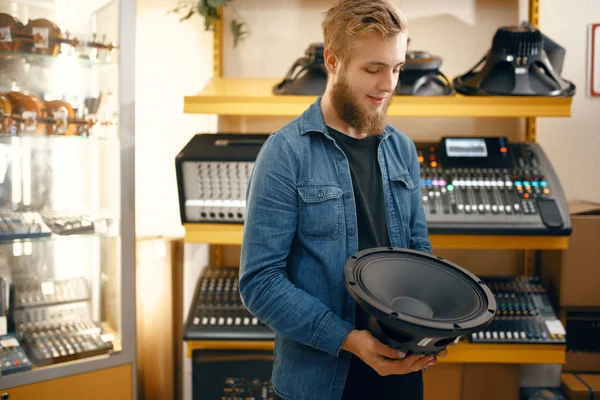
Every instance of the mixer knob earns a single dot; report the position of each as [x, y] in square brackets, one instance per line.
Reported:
[213, 320]
[204, 321]
[495, 335]
[221, 321]
[246, 321]
[523, 335]
[254, 321]
[488, 335]
[502, 335]
[238, 321]
[229, 320]
[509, 335]
[196, 320]
[481, 335]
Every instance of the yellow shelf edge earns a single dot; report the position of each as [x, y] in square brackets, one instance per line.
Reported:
[463, 352]
[232, 234]
[253, 97]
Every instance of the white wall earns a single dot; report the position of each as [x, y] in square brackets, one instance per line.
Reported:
[573, 143]
[173, 59]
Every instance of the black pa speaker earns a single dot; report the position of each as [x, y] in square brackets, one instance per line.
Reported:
[417, 302]
[307, 76]
[421, 76]
[517, 65]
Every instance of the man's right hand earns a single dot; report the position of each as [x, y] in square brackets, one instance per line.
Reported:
[383, 359]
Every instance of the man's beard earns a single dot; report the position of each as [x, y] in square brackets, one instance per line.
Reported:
[345, 104]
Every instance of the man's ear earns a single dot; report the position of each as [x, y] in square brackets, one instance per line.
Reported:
[331, 62]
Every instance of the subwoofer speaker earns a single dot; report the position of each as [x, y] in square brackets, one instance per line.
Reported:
[307, 76]
[421, 76]
[417, 302]
[517, 65]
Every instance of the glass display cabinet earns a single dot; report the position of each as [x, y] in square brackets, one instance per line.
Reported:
[66, 198]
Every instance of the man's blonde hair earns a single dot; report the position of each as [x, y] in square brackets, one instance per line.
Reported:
[352, 19]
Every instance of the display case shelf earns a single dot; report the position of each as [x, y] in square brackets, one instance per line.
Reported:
[464, 352]
[232, 234]
[63, 238]
[253, 96]
[48, 60]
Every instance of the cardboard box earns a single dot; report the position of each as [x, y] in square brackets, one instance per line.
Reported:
[581, 386]
[578, 361]
[572, 275]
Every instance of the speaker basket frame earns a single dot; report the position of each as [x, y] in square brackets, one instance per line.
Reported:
[435, 331]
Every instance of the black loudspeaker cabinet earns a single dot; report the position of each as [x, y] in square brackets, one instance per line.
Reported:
[232, 375]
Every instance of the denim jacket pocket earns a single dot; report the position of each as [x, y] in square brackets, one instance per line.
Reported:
[402, 185]
[320, 211]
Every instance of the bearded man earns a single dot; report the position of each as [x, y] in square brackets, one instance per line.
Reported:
[336, 180]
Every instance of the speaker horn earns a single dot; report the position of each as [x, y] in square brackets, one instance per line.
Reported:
[417, 302]
[516, 65]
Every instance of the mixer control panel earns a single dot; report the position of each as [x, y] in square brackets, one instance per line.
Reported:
[524, 314]
[487, 185]
[217, 312]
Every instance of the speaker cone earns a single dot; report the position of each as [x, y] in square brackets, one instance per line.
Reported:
[516, 65]
[417, 302]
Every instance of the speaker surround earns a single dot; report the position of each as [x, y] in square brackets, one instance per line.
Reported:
[417, 302]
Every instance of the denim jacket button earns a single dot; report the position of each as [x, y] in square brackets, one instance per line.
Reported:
[350, 232]
[348, 195]
[320, 194]
[340, 157]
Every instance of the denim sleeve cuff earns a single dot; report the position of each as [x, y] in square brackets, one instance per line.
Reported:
[331, 333]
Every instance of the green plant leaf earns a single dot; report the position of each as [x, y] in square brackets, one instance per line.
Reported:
[216, 3]
[188, 15]
[237, 32]
[202, 8]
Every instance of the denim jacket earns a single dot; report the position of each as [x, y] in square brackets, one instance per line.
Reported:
[300, 229]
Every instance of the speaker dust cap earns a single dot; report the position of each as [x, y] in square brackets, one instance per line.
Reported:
[417, 297]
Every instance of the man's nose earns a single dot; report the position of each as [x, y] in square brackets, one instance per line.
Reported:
[388, 82]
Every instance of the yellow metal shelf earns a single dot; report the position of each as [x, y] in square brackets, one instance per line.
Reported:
[232, 234]
[253, 96]
[463, 352]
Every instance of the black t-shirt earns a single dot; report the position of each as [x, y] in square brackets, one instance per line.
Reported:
[363, 382]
